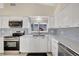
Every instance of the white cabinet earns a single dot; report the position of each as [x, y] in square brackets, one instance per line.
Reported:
[25, 22]
[62, 18]
[0, 22]
[28, 43]
[5, 22]
[62, 21]
[74, 16]
[44, 44]
[51, 22]
[24, 43]
[53, 45]
[68, 17]
[38, 44]
[1, 45]
[34, 45]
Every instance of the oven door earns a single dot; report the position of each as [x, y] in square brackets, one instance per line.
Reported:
[11, 45]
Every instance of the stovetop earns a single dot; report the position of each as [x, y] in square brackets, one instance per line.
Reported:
[11, 38]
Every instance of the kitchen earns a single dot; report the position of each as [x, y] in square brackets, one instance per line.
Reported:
[39, 29]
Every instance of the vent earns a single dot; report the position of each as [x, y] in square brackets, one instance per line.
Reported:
[12, 4]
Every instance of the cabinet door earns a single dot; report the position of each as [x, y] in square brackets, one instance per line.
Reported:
[58, 20]
[0, 22]
[38, 44]
[54, 47]
[74, 15]
[25, 22]
[5, 22]
[62, 19]
[69, 17]
[51, 22]
[28, 44]
[24, 44]
[43, 44]
[34, 45]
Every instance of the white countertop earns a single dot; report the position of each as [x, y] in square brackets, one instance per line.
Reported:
[72, 44]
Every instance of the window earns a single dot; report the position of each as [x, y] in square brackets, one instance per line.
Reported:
[39, 27]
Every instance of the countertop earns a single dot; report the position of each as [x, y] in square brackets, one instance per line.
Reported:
[71, 44]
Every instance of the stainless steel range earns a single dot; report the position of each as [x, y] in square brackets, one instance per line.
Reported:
[11, 43]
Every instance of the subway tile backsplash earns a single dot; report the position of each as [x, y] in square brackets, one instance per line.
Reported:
[70, 33]
[9, 31]
[52, 31]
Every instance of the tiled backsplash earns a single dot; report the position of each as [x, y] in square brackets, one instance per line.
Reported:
[52, 31]
[70, 33]
[9, 31]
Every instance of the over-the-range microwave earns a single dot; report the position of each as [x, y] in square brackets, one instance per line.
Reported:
[15, 23]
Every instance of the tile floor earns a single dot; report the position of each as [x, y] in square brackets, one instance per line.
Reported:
[16, 53]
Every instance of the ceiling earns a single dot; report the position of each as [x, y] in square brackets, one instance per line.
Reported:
[52, 7]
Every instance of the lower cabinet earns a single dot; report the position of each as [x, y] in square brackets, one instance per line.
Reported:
[1, 45]
[24, 44]
[38, 44]
[33, 44]
[54, 48]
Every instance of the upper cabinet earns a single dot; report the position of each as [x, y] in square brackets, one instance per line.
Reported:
[75, 15]
[51, 22]
[68, 17]
[5, 22]
[26, 22]
[0, 22]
